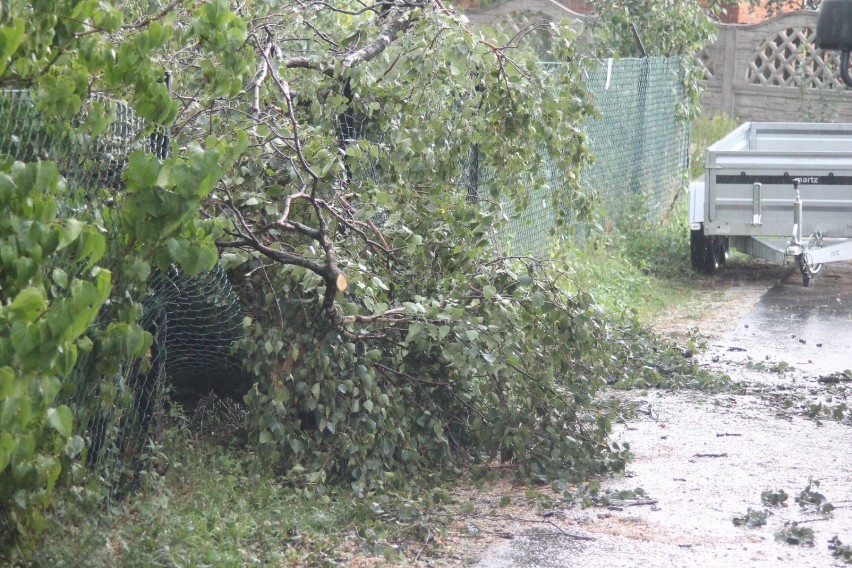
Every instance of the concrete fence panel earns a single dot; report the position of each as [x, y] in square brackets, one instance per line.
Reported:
[772, 72]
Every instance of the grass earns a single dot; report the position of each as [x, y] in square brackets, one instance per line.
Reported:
[205, 511]
[641, 265]
[213, 506]
[640, 268]
[619, 285]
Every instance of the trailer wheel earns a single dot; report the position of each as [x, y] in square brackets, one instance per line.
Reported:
[697, 249]
[722, 246]
[707, 252]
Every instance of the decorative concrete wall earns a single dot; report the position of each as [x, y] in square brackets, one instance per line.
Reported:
[772, 72]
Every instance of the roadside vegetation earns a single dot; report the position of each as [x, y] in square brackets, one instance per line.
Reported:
[205, 502]
[207, 499]
[318, 153]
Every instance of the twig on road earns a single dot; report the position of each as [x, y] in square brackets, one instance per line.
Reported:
[540, 521]
[835, 378]
[814, 520]
[570, 535]
[631, 502]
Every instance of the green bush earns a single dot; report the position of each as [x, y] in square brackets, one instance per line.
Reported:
[52, 291]
[705, 131]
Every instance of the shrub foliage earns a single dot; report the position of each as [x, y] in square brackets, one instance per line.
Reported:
[350, 163]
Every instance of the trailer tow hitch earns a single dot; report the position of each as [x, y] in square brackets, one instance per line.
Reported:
[807, 266]
[798, 248]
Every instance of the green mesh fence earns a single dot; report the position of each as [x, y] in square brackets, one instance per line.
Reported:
[194, 321]
[86, 161]
[639, 143]
[640, 150]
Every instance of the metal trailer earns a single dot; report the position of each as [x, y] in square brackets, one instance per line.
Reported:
[778, 191]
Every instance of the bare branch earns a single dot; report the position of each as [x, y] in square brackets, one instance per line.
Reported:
[146, 21]
[386, 317]
[322, 35]
[285, 215]
[399, 21]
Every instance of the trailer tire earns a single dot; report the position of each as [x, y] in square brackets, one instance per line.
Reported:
[707, 252]
[697, 249]
[720, 249]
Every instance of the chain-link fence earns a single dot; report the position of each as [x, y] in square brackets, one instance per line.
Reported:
[639, 143]
[194, 321]
[86, 160]
[640, 150]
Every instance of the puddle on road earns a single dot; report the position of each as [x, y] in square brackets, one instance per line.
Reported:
[807, 328]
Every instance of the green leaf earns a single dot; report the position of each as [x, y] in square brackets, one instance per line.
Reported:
[8, 384]
[59, 277]
[29, 304]
[354, 151]
[136, 341]
[60, 419]
[7, 449]
[74, 446]
[138, 270]
[92, 246]
[10, 39]
[414, 330]
[25, 337]
[72, 230]
[67, 358]
[378, 282]
[143, 170]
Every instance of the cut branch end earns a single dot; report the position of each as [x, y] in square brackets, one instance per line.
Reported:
[342, 282]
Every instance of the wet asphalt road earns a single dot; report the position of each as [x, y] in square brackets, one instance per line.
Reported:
[807, 328]
[754, 447]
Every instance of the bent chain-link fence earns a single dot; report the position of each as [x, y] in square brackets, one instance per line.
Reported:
[194, 320]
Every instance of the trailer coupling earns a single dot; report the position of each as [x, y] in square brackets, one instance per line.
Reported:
[813, 253]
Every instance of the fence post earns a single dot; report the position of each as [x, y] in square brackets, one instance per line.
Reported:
[728, 38]
[639, 144]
